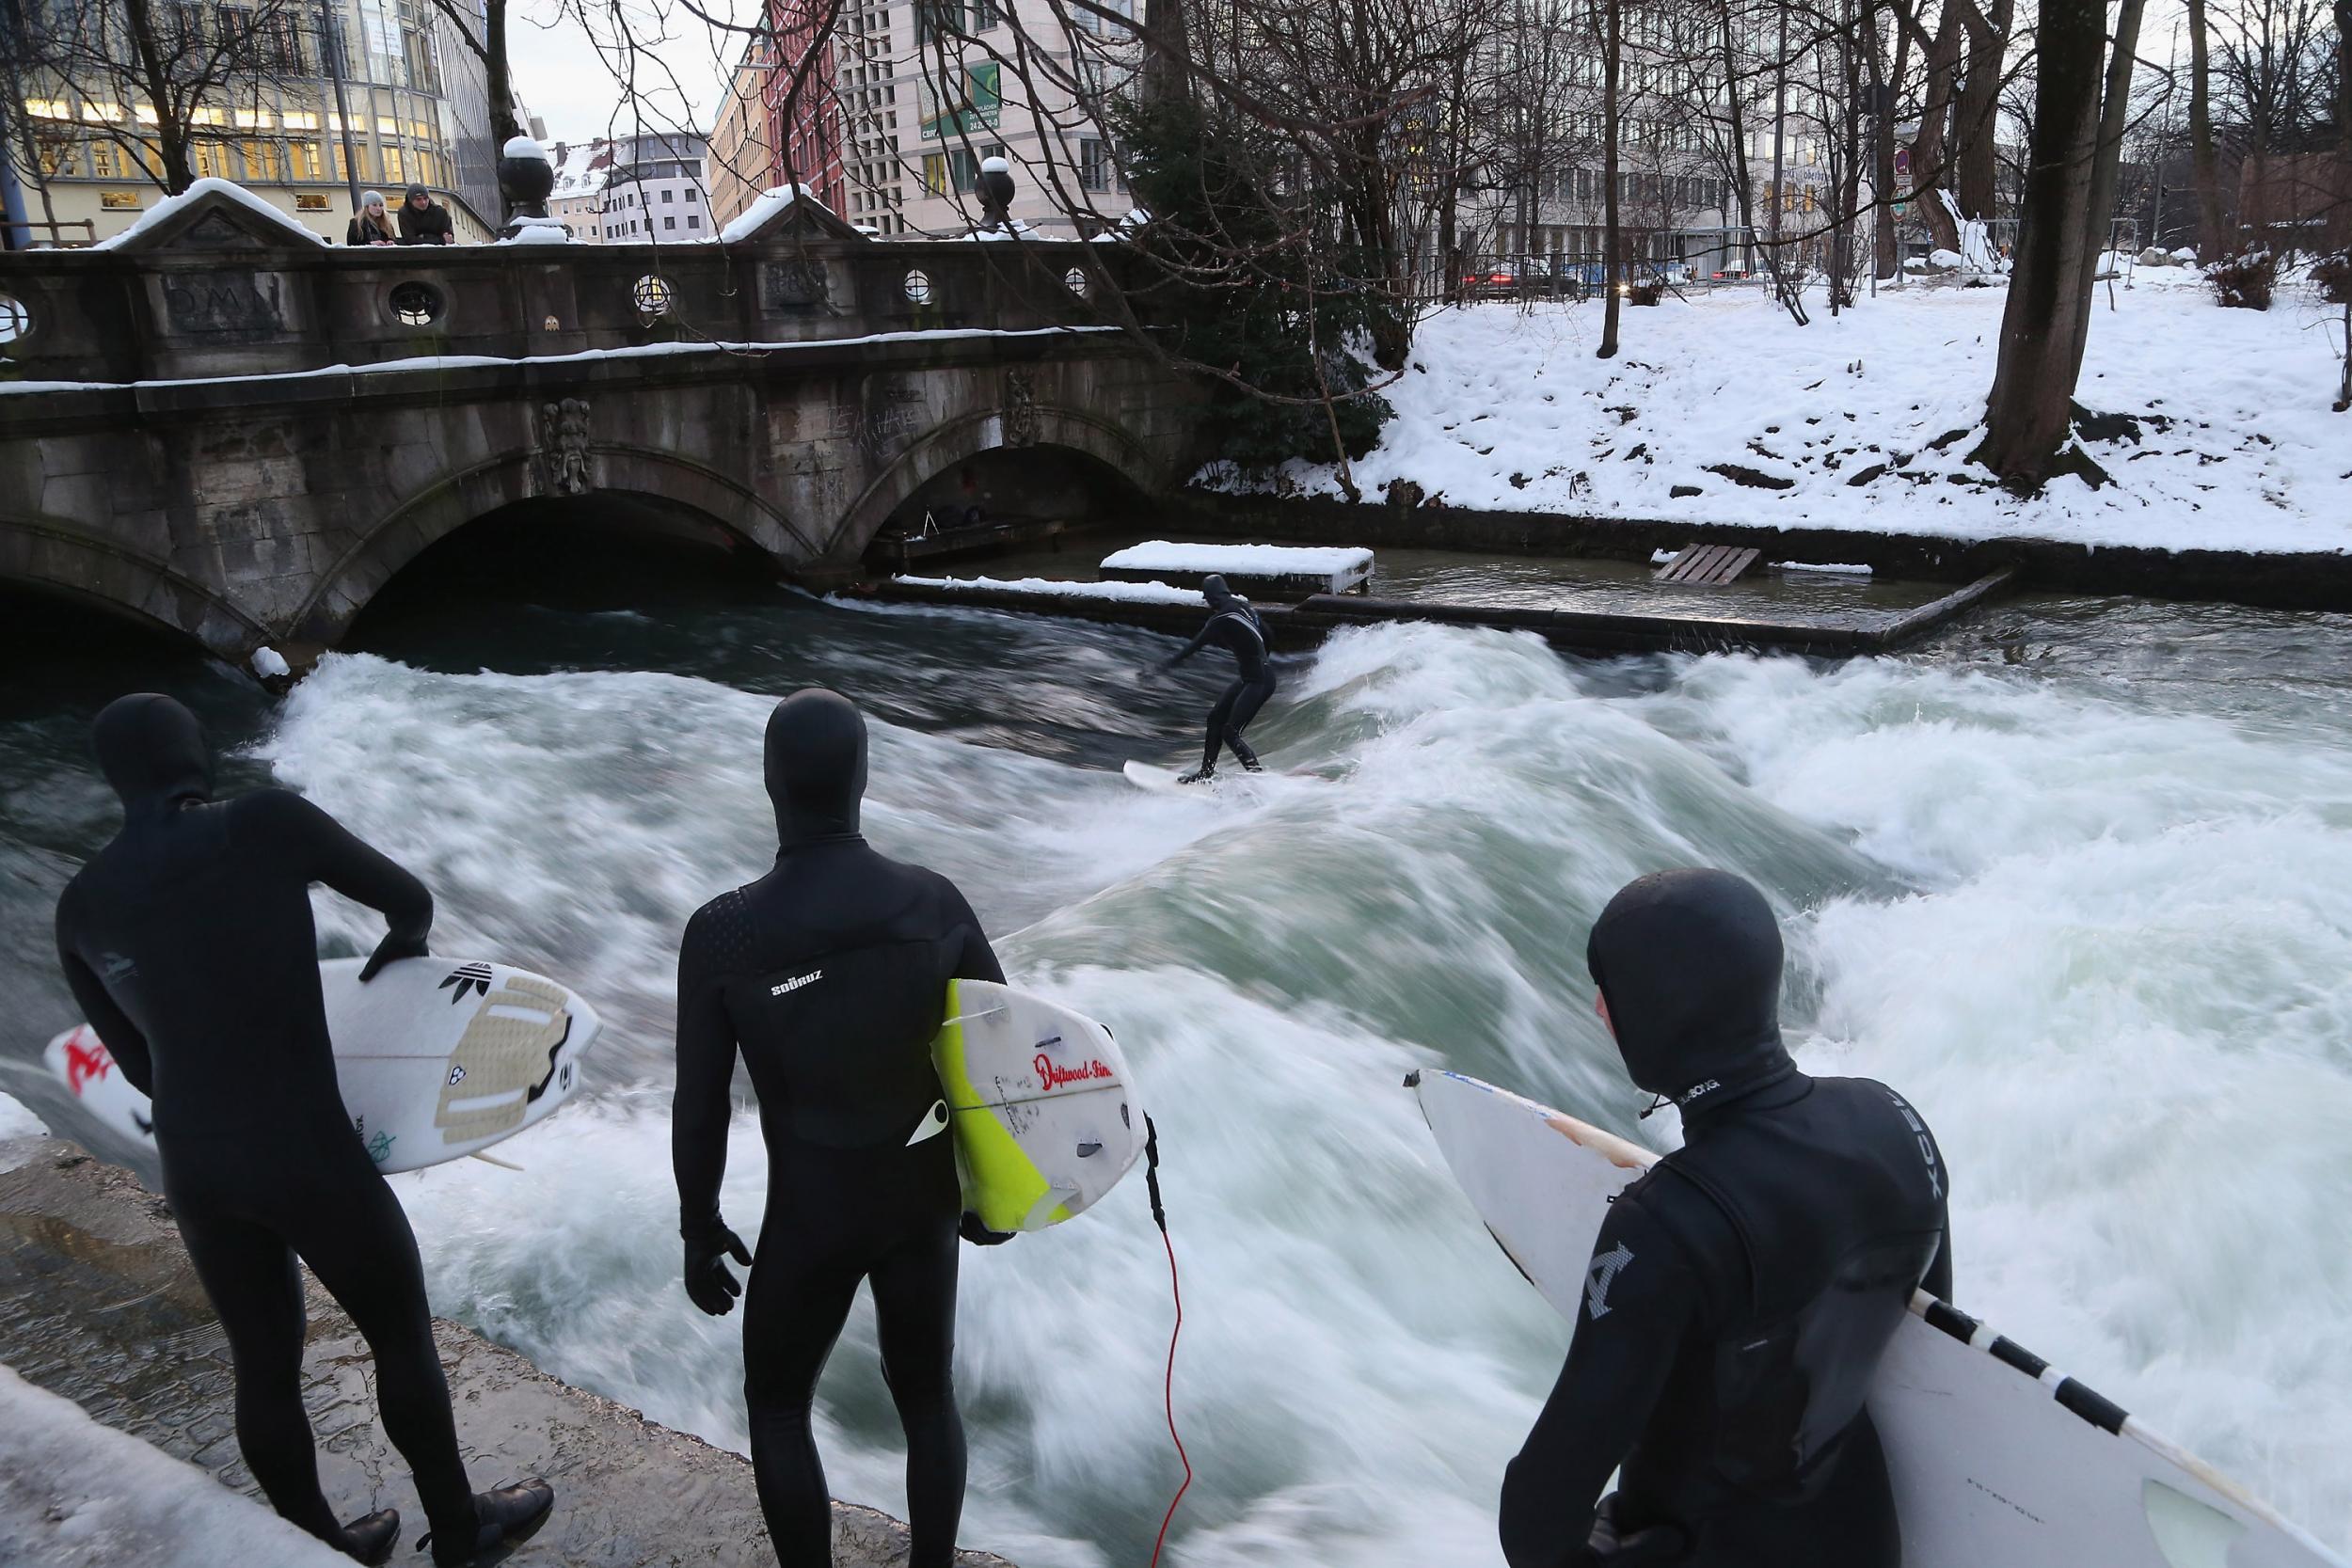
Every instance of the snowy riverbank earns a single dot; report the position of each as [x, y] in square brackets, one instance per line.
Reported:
[1720, 409]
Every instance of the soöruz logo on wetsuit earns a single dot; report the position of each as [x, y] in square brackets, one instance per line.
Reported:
[796, 983]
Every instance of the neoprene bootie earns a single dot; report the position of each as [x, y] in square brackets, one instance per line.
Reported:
[372, 1538]
[503, 1518]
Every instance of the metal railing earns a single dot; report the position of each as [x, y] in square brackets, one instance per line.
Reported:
[25, 233]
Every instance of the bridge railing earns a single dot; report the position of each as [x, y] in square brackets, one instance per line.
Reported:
[218, 288]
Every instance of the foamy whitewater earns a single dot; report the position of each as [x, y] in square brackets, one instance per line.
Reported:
[2093, 914]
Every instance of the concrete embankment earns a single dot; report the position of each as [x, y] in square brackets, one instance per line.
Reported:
[2311, 580]
[98, 1304]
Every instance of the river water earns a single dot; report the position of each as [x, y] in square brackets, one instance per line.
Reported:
[2077, 879]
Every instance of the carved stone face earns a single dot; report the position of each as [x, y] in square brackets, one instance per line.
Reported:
[504, 1061]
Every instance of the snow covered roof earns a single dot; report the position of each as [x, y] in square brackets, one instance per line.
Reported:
[272, 223]
[582, 168]
[785, 204]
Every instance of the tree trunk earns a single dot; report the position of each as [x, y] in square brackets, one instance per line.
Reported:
[1167, 54]
[1611, 305]
[155, 78]
[1975, 161]
[2212, 243]
[2106, 166]
[2343, 93]
[500, 85]
[2028, 414]
[1888, 246]
[1929, 149]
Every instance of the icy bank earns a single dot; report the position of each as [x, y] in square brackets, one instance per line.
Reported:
[74, 1494]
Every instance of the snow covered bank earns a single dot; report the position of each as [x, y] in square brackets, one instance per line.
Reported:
[74, 1494]
[2216, 425]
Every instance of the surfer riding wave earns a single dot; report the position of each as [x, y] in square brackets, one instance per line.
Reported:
[1234, 627]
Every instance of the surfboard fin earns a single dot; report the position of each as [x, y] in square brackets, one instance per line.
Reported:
[494, 1160]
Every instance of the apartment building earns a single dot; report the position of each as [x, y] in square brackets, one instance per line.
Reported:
[897, 111]
[320, 102]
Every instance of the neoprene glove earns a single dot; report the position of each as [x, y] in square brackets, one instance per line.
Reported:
[707, 1280]
[396, 944]
[971, 1230]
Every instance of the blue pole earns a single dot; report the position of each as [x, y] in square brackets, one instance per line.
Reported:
[12, 215]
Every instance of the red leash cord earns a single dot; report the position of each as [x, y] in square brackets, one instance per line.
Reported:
[1176, 1287]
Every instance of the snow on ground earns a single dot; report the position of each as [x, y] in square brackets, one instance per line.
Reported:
[2235, 449]
[1126, 593]
[74, 1494]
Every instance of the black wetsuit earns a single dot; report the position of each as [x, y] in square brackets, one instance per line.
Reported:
[830, 976]
[189, 942]
[1742, 1293]
[1235, 627]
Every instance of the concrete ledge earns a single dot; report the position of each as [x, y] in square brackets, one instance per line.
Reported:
[2313, 580]
[1603, 633]
[98, 1304]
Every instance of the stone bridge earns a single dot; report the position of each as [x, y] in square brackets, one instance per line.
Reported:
[226, 428]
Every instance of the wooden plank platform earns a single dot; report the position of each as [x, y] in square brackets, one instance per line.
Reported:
[1706, 565]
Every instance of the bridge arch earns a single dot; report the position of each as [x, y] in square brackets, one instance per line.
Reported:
[960, 439]
[424, 519]
[46, 554]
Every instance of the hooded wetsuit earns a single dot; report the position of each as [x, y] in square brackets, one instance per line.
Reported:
[1235, 627]
[189, 943]
[830, 976]
[1742, 1293]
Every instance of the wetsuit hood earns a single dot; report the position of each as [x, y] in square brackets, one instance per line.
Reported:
[1219, 596]
[815, 766]
[152, 751]
[1689, 964]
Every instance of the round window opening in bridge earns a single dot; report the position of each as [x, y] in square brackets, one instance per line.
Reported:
[918, 286]
[416, 303]
[653, 297]
[1076, 279]
[15, 320]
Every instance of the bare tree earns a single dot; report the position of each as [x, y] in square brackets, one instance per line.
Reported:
[1612, 68]
[2212, 244]
[2081, 101]
[161, 79]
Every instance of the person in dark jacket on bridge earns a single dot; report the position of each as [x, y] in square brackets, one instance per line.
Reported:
[425, 221]
[1743, 1292]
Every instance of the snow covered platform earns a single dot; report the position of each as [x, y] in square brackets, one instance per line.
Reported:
[97, 1305]
[1269, 571]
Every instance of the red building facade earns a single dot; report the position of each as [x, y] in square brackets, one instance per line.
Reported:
[804, 120]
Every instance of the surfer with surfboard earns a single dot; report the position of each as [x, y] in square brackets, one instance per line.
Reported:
[1742, 1293]
[1234, 627]
[189, 942]
[830, 976]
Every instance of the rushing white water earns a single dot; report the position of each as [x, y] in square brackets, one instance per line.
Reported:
[2099, 929]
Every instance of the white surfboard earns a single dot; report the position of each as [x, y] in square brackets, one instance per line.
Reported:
[1997, 1458]
[436, 1059]
[1167, 781]
[1044, 1111]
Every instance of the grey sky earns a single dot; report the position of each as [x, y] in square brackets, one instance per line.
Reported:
[574, 87]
